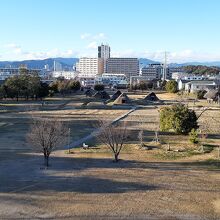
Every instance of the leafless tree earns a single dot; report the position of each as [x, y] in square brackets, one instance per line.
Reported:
[45, 135]
[113, 136]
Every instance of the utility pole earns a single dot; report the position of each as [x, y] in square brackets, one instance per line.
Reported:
[165, 67]
[54, 66]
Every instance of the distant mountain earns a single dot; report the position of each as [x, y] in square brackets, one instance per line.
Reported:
[144, 62]
[216, 63]
[39, 64]
[67, 63]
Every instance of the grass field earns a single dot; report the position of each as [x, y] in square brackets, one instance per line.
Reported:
[182, 183]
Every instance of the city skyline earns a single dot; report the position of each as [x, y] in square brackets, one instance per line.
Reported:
[37, 29]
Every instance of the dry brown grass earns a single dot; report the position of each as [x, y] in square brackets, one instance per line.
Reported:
[88, 185]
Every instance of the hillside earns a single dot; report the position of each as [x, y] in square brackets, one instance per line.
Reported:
[39, 64]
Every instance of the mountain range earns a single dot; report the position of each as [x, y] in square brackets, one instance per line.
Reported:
[39, 64]
[68, 63]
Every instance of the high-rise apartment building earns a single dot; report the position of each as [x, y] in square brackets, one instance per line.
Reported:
[90, 66]
[127, 66]
[104, 52]
[57, 66]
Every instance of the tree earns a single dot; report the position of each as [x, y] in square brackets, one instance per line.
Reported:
[171, 86]
[62, 87]
[45, 135]
[143, 86]
[200, 94]
[163, 84]
[74, 85]
[178, 118]
[99, 87]
[54, 86]
[44, 90]
[113, 136]
[22, 86]
[150, 84]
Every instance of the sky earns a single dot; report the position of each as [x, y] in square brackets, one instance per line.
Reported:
[36, 29]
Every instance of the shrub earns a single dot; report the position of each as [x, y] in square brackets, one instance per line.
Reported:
[178, 118]
[200, 94]
[99, 87]
[193, 136]
[74, 85]
[171, 86]
[142, 85]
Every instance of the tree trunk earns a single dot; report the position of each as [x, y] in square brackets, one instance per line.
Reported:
[116, 158]
[46, 160]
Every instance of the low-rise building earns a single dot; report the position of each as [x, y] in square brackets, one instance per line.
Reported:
[152, 71]
[109, 79]
[195, 86]
[9, 72]
[65, 74]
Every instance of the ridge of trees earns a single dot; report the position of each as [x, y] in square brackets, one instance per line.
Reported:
[202, 70]
[29, 86]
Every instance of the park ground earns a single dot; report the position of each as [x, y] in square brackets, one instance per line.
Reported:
[87, 184]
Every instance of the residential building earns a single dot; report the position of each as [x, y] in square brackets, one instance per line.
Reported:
[90, 66]
[195, 86]
[127, 66]
[109, 79]
[152, 71]
[57, 66]
[104, 52]
[87, 81]
[47, 67]
[9, 72]
[171, 70]
[179, 75]
[65, 74]
[182, 84]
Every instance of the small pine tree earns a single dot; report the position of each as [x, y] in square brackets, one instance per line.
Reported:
[193, 136]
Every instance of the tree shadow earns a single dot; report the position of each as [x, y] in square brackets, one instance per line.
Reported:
[64, 175]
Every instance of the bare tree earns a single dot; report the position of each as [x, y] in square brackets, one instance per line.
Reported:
[45, 135]
[113, 136]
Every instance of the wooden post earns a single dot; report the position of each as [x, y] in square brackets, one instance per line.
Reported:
[219, 152]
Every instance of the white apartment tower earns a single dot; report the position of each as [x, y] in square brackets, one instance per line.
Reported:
[90, 66]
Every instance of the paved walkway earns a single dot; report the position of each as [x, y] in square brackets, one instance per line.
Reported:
[97, 131]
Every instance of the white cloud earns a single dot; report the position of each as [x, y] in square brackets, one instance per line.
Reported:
[11, 45]
[13, 51]
[99, 36]
[88, 36]
[93, 45]
[12, 48]
[50, 53]
[85, 36]
[186, 55]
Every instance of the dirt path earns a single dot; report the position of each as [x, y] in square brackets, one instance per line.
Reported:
[96, 131]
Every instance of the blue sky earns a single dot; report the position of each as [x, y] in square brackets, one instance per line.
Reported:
[34, 29]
